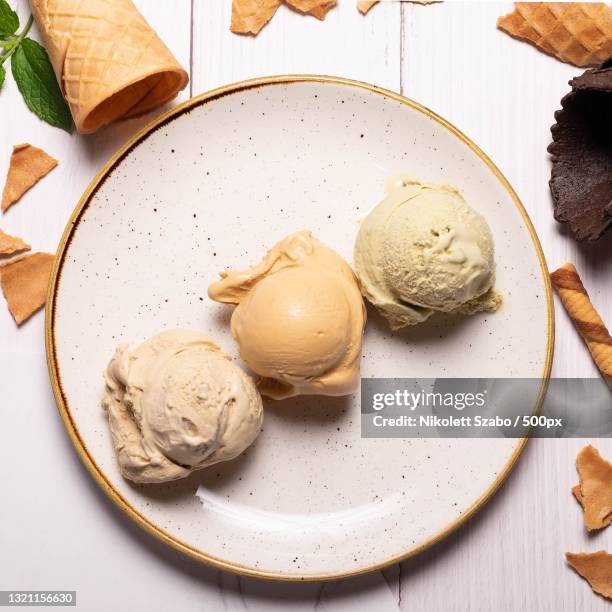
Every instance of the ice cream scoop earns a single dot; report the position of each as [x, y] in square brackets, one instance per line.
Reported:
[298, 320]
[423, 249]
[176, 404]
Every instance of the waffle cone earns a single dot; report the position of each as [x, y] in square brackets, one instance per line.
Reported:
[579, 33]
[108, 60]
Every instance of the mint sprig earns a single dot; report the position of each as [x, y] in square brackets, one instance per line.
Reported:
[36, 81]
[9, 22]
[32, 71]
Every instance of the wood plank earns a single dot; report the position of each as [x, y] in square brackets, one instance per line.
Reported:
[345, 44]
[510, 556]
[503, 94]
[42, 213]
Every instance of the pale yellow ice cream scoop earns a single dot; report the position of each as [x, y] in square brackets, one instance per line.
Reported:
[423, 249]
[176, 404]
[299, 318]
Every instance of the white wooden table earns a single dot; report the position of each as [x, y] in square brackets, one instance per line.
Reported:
[58, 531]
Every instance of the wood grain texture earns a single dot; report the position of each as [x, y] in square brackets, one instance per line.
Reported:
[502, 93]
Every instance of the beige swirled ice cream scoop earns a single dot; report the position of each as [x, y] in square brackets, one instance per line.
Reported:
[423, 249]
[176, 404]
[299, 318]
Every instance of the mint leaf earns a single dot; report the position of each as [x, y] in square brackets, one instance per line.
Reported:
[36, 81]
[9, 22]
[2, 75]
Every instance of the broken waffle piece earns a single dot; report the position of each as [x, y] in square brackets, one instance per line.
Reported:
[316, 8]
[363, 6]
[578, 33]
[589, 324]
[249, 16]
[595, 489]
[11, 245]
[27, 166]
[595, 568]
[24, 282]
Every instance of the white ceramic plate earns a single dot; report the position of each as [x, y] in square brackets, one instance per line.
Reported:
[213, 185]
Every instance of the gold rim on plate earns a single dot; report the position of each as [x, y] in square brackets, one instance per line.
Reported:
[50, 344]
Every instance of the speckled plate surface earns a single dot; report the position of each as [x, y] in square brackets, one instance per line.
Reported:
[214, 184]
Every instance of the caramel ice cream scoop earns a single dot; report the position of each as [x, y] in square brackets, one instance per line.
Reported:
[299, 318]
